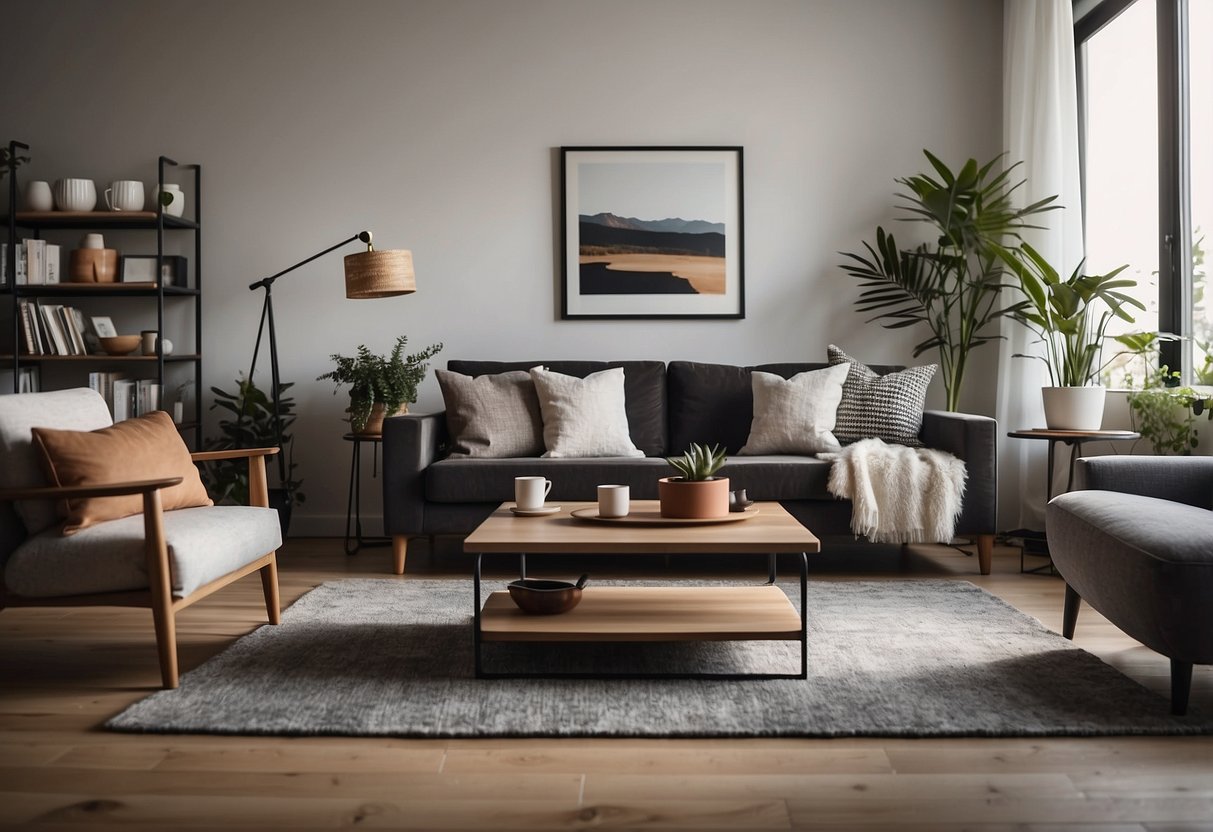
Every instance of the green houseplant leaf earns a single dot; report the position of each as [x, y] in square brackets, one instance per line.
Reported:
[390, 380]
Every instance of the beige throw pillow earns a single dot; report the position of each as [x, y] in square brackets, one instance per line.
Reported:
[583, 417]
[796, 415]
[492, 416]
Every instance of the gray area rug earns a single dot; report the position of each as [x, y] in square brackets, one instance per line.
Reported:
[393, 657]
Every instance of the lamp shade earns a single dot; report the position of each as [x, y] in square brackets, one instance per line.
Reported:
[379, 274]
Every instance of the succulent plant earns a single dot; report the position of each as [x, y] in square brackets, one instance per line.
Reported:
[699, 462]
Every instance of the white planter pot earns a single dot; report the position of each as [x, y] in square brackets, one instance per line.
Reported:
[1074, 408]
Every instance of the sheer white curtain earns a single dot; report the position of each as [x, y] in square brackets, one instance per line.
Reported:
[1040, 128]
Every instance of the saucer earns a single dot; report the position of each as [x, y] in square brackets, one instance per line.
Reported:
[534, 512]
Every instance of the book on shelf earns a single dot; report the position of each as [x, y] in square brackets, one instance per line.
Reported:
[51, 271]
[27, 380]
[21, 264]
[52, 329]
[147, 396]
[38, 263]
[123, 399]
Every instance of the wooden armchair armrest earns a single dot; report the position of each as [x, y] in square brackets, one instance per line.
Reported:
[73, 492]
[234, 453]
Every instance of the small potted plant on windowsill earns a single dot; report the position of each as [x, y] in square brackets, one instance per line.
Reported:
[380, 385]
[1067, 317]
[698, 494]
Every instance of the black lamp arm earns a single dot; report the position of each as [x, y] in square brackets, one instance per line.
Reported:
[364, 236]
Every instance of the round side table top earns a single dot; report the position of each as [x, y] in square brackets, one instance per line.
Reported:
[1046, 433]
[363, 437]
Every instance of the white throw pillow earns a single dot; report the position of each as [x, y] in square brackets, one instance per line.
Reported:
[796, 415]
[583, 417]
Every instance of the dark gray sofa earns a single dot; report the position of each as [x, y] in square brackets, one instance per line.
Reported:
[668, 407]
[1135, 541]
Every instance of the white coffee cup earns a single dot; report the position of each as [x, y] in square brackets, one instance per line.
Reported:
[124, 195]
[613, 500]
[92, 241]
[530, 492]
[75, 194]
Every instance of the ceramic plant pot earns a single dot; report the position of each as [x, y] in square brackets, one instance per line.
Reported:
[1074, 408]
[374, 422]
[695, 500]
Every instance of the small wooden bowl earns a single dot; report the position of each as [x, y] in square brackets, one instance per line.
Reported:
[120, 344]
[546, 597]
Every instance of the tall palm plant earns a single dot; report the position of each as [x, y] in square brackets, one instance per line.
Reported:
[951, 284]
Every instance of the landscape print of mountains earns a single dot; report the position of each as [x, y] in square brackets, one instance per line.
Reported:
[629, 256]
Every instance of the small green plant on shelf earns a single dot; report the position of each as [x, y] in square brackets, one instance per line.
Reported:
[251, 425]
[1163, 411]
[389, 380]
[699, 463]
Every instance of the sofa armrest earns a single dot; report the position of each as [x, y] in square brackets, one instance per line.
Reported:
[973, 439]
[410, 444]
[1180, 479]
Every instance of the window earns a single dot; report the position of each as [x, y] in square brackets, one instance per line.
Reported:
[1145, 74]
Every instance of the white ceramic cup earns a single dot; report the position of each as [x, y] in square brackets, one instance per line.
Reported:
[124, 195]
[75, 194]
[613, 500]
[530, 492]
[38, 196]
[92, 241]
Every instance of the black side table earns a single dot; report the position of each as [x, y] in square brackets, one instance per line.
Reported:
[1073, 439]
[353, 504]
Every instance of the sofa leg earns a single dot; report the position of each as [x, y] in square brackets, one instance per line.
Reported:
[400, 548]
[166, 643]
[1181, 684]
[1069, 615]
[985, 552]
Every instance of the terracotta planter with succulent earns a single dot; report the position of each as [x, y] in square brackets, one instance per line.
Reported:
[698, 494]
[380, 386]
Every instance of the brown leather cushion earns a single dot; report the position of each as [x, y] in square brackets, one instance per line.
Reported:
[137, 449]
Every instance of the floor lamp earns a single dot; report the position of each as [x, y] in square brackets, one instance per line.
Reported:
[368, 274]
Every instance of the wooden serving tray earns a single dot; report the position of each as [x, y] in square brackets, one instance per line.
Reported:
[652, 517]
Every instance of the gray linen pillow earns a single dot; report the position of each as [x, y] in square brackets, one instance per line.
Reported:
[584, 417]
[796, 415]
[492, 416]
[888, 407]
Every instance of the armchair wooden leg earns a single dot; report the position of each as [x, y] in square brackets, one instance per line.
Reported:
[161, 584]
[269, 586]
[1069, 615]
[985, 552]
[400, 548]
[1181, 685]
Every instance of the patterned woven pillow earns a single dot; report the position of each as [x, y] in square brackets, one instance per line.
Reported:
[888, 407]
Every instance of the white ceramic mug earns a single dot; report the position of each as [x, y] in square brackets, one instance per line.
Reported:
[38, 196]
[75, 194]
[530, 492]
[92, 241]
[613, 500]
[127, 195]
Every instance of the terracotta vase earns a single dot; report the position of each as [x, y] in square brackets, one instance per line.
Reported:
[374, 422]
[698, 500]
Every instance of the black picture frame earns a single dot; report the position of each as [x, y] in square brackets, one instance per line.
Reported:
[652, 232]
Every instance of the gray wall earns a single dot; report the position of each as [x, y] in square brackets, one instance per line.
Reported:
[435, 123]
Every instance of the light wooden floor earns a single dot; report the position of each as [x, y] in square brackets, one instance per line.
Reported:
[63, 672]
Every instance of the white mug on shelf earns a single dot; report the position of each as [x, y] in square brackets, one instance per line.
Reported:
[530, 492]
[124, 195]
[613, 500]
[38, 196]
[75, 194]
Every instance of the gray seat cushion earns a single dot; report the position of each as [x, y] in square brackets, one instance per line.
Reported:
[204, 544]
[492, 480]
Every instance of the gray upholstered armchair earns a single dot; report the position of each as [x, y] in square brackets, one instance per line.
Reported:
[1135, 541]
[164, 560]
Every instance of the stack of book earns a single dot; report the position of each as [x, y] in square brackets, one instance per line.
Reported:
[27, 381]
[52, 329]
[126, 398]
[37, 263]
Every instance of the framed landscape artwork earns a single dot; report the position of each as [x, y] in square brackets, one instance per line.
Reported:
[652, 232]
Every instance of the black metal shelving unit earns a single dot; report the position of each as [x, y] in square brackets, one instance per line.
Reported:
[37, 222]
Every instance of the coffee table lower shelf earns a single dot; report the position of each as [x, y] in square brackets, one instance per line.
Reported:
[651, 614]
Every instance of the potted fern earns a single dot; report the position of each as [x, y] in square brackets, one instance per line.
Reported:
[380, 385]
[698, 494]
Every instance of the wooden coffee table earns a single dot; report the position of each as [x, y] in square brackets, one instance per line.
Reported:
[648, 613]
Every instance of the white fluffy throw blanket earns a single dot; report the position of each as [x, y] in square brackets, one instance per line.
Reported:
[898, 494]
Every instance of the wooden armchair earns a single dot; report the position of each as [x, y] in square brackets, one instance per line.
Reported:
[163, 560]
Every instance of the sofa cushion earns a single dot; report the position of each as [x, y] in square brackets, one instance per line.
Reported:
[644, 386]
[492, 416]
[492, 480]
[713, 404]
[796, 415]
[148, 447]
[203, 544]
[883, 406]
[584, 417]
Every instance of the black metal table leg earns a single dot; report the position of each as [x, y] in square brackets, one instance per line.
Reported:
[476, 618]
[355, 470]
[804, 617]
